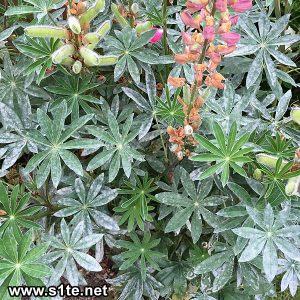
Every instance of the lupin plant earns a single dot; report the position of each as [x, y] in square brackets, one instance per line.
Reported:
[77, 48]
[155, 143]
[208, 39]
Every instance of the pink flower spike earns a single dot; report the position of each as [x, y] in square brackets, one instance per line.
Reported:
[157, 36]
[242, 5]
[231, 38]
[234, 19]
[209, 33]
[221, 5]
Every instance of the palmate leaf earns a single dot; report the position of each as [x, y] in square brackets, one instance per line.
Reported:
[40, 51]
[228, 153]
[54, 144]
[192, 206]
[117, 145]
[87, 204]
[77, 92]
[273, 234]
[134, 286]
[18, 211]
[69, 248]
[141, 251]
[136, 209]
[20, 262]
[265, 44]
[128, 46]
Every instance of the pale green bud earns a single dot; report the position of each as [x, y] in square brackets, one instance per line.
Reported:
[69, 61]
[143, 27]
[92, 39]
[295, 114]
[103, 29]
[90, 57]
[118, 16]
[257, 174]
[63, 52]
[269, 160]
[292, 186]
[77, 66]
[74, 24]
[92, 12]
[108, 60]
[46, 31]
[135, 8]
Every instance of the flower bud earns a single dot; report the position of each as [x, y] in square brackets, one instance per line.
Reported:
[69, 61]
[103, 29]
[118, 16]
[180, 155]
[91, 39]
[74, 24]
[257, 174]
[107, 60]
[295, 115]
[46, 31]
[135, 8]
[63, 52]
[188, 129]
[77, 66]
[269, 160]
[91, 58]
[92, 12]
[173, 147]
[292, 186]
[143, 27]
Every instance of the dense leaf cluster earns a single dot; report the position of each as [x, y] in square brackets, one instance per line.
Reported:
[87, 168]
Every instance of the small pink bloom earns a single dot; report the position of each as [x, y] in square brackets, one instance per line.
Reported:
[215, 57]
[193, 6]
[186, 38]
[188, 20]
[209, 33]
[242, 5]
[221, 5]
[231, 38]
[234, 19]
[157, 36]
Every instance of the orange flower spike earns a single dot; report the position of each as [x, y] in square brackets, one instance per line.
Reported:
[176, 81]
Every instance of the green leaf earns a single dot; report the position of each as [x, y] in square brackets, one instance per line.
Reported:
[21, 10]
[212, 263]
[173, 199]
[179, 219]
[211, 170]
[71, 160]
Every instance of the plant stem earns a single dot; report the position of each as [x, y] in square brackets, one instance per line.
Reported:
[200, 61]
[131, 19]
[162, 140]
[165, 32]
[277, 9]
[5, 17]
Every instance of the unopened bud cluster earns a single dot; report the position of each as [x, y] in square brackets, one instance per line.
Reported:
[79, 44]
